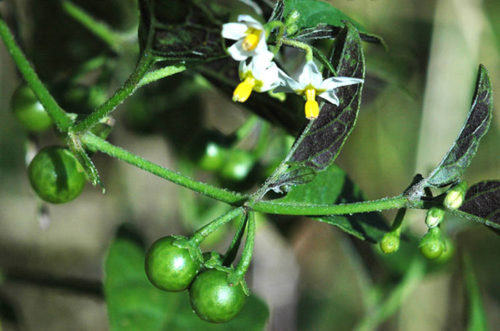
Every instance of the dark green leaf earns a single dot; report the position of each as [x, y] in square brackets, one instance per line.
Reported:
[292, 177]
[135, 304]
[451, 168]
[483, 201]
[325, 31]
[277, 14]
[322, 140]
[180, 31]
[314, 12]
[333, 186]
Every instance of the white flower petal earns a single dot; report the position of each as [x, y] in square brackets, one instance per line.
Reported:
[234, 31]
[250, 21]
[261, 46]
[287, 83]
[330, 96]
[270, 79]
[334, 82]
[237, 52]
[310, 75]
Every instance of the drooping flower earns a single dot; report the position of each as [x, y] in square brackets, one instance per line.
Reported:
[250, 36]
[261, 75]
[311, 84]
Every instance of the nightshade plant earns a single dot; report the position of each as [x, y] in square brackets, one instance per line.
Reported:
[256, 53]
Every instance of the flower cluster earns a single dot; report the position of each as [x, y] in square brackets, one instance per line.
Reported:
[262, 74]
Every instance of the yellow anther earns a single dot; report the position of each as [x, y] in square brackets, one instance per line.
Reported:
[244, 89]
[311, 107]
[251, 40]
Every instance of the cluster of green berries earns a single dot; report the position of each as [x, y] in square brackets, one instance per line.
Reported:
[432, 245]
[174, 264]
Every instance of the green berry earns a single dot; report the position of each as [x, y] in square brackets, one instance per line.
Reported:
[214, 299]
[29, 111]
[56, 175]
[170, 265]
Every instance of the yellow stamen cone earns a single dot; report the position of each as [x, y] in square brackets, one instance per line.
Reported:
[251, 40]
[243, 90]
[311, 107]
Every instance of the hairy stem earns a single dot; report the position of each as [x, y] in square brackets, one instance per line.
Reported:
[217, 193]
[301, 45]
[158, 74]
[272, 207]
[246, 255]
[205, 231]
[123, 92]
[58, 115]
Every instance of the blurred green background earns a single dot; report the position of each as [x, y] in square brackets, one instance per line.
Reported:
[311, 275]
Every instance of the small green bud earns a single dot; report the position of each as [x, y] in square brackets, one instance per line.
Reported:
[432, 245]
[455, 196]
[292, 18]
[434, 217]
[291, 22]
[389, 243]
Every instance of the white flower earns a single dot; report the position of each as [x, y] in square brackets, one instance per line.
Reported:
[250, 36]
[260, 75]
[311, 84]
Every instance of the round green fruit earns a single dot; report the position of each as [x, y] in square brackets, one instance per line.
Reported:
[56, 175]
[169, 264]
[214, 299]
[29, 111]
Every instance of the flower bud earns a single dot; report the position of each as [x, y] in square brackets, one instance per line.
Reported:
[291, 22]
[434, 217]
[390, 243]
[432, 245]
[455, 196]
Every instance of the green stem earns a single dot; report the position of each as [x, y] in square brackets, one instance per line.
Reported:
[246, 255]
[101, 30]
[205, 231]
[158, 74]
[217, 193]
[398, 221]
[301, 45]
[272, 207]
[125, 91]
[61, 119]
[235, 243]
